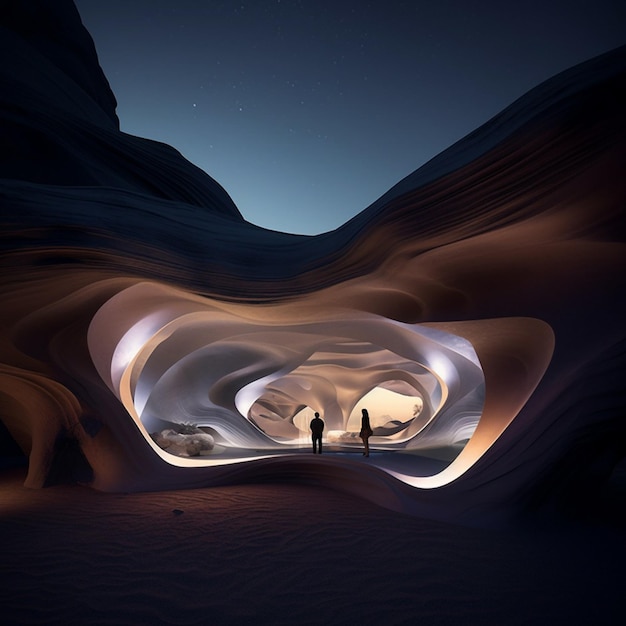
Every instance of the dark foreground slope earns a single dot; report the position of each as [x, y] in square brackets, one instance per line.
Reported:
[292, 554]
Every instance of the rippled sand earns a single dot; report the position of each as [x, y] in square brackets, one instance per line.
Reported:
[285, 554]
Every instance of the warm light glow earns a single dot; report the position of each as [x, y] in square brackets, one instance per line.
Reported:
[178, 359]
[385, 406]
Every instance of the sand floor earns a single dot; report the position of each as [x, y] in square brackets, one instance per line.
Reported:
[288, 554]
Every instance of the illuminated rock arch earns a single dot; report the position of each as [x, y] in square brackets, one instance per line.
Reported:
[175, 358]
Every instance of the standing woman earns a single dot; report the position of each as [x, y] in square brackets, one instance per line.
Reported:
[366, 431]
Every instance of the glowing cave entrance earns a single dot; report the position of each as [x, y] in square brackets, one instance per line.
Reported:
[200, 376]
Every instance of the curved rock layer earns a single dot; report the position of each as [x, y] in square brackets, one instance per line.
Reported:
[486, 290]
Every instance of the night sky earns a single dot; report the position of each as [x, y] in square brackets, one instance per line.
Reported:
[308, 111]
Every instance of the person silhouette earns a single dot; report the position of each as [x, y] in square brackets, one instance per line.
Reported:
[317, 428]
[366, 431]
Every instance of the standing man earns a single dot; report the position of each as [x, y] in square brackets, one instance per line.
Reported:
[317, 428]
